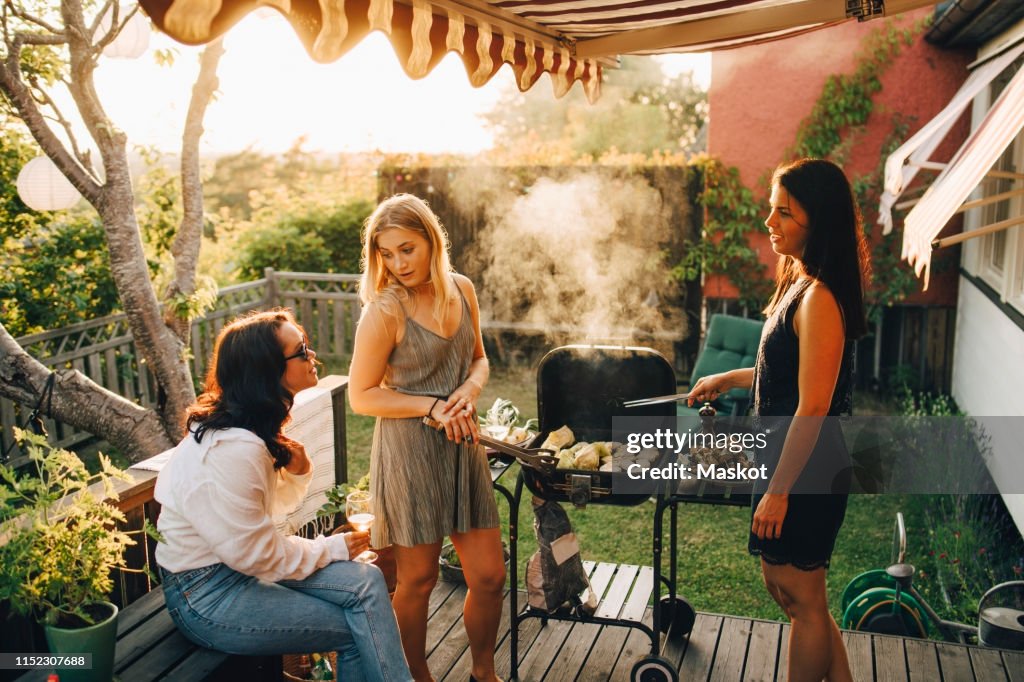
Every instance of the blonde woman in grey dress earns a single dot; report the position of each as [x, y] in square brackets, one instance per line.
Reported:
[419, 352]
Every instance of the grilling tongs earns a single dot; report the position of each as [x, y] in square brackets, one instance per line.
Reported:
[676, 397]
[538, 459]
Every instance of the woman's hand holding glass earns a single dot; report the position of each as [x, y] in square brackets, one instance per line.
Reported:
[359, 514]
[357, 542]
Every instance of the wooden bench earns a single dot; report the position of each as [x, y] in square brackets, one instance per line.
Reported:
[149, 646]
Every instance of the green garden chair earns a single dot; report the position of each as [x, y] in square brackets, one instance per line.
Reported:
[731, 343]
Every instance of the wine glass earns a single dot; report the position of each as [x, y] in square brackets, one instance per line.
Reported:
[359, 514]
[498, 431]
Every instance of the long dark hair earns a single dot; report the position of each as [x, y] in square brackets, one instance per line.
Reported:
[243, 384]
[835, 253]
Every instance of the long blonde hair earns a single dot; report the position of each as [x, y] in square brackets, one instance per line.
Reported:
[377, 285]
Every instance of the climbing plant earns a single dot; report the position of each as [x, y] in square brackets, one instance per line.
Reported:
[730, 213]
[837, 120]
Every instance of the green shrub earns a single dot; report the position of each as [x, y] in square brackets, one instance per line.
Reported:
[968, 544]
[319, 239]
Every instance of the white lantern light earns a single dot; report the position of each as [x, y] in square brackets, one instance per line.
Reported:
[133, 39]
[44, 188]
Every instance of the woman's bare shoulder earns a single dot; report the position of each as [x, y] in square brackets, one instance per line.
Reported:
[463, 282]
[381, 318]
[819, 307]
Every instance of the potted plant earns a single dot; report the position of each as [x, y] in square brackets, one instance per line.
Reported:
[451, 566]
[58, 546]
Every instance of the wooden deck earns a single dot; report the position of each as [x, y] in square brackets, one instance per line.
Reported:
[720, 649]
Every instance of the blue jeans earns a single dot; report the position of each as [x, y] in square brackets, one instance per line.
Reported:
[343, 607]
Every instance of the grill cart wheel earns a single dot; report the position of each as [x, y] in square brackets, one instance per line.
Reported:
[654, 669]
[677, 616]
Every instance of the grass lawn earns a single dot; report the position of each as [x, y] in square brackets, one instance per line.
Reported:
[715, 572]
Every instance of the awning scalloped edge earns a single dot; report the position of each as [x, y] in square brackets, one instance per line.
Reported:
[420, 34]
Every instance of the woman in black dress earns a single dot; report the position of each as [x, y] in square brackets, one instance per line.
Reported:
[803, 374]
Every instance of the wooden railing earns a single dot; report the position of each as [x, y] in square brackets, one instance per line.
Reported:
[103, 349]
[326, 305]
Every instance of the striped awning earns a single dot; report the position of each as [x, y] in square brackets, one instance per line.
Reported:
[571, 40]
[958, 179]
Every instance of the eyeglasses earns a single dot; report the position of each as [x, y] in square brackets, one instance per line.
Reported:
[303, 353]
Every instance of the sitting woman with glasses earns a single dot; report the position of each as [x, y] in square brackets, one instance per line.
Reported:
[231, 581]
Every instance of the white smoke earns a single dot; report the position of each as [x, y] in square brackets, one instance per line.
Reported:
[577, 258]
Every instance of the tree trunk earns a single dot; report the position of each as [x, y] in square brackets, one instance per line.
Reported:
[185, 248]
[162, 350]
[79, 402]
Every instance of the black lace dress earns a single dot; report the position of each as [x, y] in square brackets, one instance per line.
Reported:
[817, 502]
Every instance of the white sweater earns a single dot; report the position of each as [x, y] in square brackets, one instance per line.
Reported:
[218, 499]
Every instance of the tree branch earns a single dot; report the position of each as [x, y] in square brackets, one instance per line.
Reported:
[116, 25]
[31, 19]
[42, 97]
[108, 138]
[95, 25]
[18, 93]
[78, 401]
[187, 241]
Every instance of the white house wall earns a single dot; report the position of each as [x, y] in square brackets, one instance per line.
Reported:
[988, 377]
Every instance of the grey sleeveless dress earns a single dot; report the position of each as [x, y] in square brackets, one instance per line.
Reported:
[425, 486]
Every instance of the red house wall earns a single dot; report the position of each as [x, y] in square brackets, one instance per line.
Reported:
[760, 94]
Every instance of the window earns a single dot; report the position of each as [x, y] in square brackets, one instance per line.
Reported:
[1000, 260]
[993, 248]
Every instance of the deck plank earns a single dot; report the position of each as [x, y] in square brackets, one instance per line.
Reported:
[447, 653]
[732, 651]
[954, 663]
[782, 669]
[922, 660]
[719, 648]
[763, 653]
[545, 650]
[637, 646]
[442, 590]
[890, 659]
[604, 655]
[445, 618]
[462, 665]
[1014, 664]
[583, 636]
[700, 651]
[858, 649]
[529, 632]
[987, 664]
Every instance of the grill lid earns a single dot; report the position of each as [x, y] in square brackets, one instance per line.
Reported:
[584, 386]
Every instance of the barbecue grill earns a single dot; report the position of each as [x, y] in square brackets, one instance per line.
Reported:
[584, 387]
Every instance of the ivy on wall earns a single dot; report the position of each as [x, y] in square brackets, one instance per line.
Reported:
[837, 120]
[730, 214]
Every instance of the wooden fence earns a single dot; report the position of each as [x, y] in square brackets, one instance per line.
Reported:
[103, 349]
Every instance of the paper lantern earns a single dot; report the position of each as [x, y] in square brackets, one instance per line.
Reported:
[133, 39]
[44, 188]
